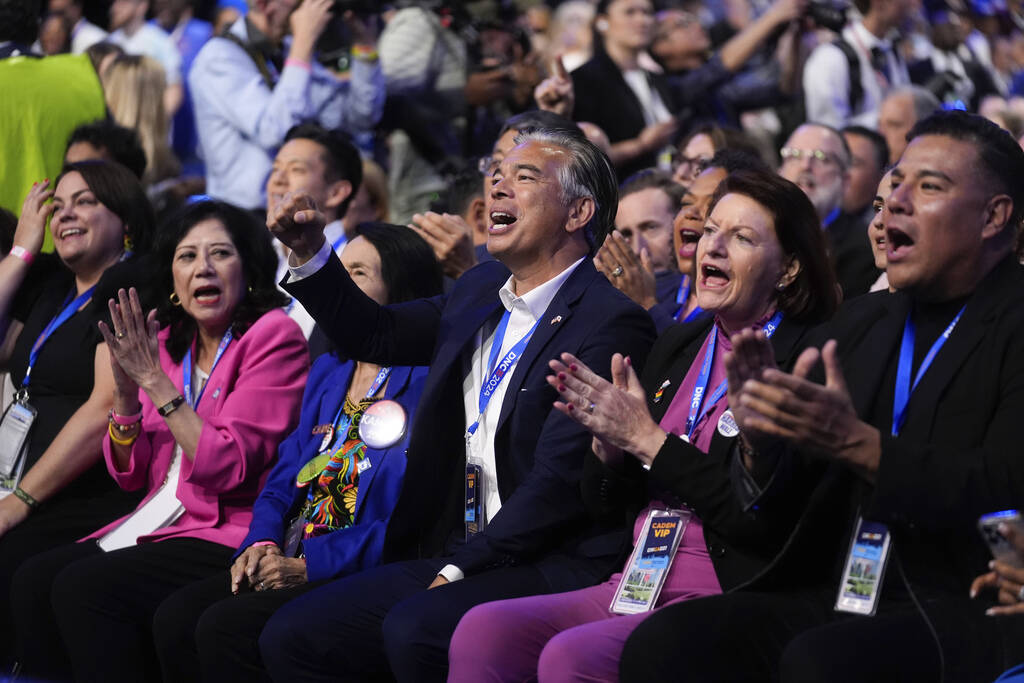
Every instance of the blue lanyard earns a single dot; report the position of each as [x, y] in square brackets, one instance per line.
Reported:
[498, 370]
[341, 422]
[186, 370]
[66, 312]
[904, 388]
[696, 415]
[338, 242]
[682, 296]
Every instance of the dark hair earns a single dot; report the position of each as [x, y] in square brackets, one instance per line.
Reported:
[538, 118]
[120, 143]
[120, 191]
[8, 224]
[732, 160]
[407, 263]
[998, 152]
[461, 188]
[723, 137]
[259, 268]
[65, 24]
[342, 158]
[876, 139]
[814, 295]
[19, 21]
[589, 174]
[653, 178]
[97, 52]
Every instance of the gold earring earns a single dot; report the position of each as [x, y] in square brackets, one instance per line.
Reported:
[128, 244]
[174, 299]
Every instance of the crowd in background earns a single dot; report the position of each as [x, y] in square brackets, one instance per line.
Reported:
[321, 208]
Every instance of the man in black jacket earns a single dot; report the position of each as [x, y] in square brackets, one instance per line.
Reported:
[925, 460]
[552, 198]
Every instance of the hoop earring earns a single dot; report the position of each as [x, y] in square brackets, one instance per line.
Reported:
[174, 299]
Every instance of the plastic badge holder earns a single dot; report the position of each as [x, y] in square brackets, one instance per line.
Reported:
[14, 432]
[648, 566]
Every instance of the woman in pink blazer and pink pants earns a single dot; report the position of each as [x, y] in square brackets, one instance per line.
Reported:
[199, 409]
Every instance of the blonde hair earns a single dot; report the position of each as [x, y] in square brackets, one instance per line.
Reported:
[134, 89]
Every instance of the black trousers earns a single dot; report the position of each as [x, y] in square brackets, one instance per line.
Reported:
[204, 632]
[359, 627]
[61, 521]
[102, 606]
[798, 637]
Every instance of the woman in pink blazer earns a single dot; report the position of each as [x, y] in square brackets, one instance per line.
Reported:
[199, 409]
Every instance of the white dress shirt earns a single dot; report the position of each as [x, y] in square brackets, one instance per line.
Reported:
[84, 35]
[152, 42]
[827, 80]
[524, 312]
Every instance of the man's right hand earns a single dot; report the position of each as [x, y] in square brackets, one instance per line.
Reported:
[308, 21]
[299, 225]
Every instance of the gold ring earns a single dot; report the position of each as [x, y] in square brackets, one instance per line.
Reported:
[617, 271]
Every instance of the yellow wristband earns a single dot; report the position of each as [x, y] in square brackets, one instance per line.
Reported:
[365, 54]
[118, 440]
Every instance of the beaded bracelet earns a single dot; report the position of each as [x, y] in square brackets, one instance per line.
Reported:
[118, 440]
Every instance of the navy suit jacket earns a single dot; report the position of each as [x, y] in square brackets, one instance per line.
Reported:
[539, 452]
[358, 547]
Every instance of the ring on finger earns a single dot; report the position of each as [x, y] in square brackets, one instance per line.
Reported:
[617, 271]
[261, 585]
[119, 335]
[1020, 594]
[590, 408]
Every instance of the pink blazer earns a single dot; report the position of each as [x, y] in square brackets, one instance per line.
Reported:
[250, 404]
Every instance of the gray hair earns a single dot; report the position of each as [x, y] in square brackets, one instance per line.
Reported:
[588, 175]
[925, 103]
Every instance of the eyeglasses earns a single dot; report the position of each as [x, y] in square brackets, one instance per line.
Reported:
[694, 165]
[488, 165]
[815, 155]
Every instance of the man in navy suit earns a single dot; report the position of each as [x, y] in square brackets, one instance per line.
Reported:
[486, 403]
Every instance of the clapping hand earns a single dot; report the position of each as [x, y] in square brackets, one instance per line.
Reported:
[615, 412]
[134, 349]
[450, 238]
[35, 210]
[631, 274]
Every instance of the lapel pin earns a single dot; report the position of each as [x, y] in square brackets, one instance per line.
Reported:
[557, 319]
[661, 390]
[216, 392]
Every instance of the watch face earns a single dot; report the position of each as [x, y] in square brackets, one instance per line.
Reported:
[382, 424]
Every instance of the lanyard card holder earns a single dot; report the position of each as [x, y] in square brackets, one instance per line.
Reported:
[476, 520]
[645, 574]
[861, 586]
[15, 427]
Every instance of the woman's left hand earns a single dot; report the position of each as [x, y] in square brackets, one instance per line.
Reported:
[276, 571]
[133, 341]
[615, 411]
[631, 274]
[12, 513]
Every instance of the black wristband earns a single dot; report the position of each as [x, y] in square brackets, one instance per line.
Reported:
[172, 405]
[25, 498]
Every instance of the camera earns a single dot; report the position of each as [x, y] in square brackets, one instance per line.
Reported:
[827, 15]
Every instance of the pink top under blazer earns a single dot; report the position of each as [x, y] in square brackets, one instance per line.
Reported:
[250, 404]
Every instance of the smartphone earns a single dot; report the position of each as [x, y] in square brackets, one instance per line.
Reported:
[1001, 548]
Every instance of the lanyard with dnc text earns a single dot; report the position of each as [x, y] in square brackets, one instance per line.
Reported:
[904, 388]
[682, 295]
[186, 370]
[66, 312]
[498, 370]
[341, 421]
[696, 414]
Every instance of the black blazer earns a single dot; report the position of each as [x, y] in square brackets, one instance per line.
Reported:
[740, 542]
[957, 457]
[538, 451]
[603, 97]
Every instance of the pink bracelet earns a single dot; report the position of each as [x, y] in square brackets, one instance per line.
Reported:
[24, 254]
[301, 63]
[126, 420]
[257, 544]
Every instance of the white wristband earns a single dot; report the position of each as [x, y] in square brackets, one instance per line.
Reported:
[24, 254]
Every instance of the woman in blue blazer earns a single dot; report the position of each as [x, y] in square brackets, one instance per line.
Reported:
[325, 507]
